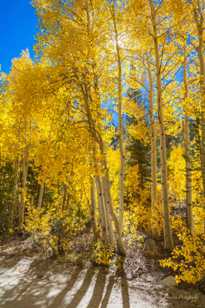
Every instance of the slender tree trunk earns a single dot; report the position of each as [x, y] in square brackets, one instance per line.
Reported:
[187, 154]
[106, 183]
[109, 206]
[40, 197]
[104, 220]
[14, 205]
[168, 240]
[199, 21]
[153, 144]
[120, 246]
[202, 117]
[65, 196]
[93, 208]
[95, 133]
[120, 122]
[106, 201]
[23, 188]
[188, 173]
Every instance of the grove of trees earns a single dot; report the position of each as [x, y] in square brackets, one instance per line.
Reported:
[105, 129]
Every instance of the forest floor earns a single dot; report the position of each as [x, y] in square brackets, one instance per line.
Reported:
[28, 280]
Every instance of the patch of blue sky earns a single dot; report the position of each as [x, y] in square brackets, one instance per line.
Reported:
[19, 25]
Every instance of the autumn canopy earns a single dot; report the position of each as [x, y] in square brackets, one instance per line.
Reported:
[104, 130]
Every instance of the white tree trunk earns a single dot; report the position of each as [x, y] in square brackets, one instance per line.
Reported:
[168, 240]
[120, 123]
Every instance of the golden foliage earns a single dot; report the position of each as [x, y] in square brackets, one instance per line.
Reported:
[188, 258]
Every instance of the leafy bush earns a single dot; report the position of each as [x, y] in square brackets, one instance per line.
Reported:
[55, 230]
[103, 253]
[187, 259]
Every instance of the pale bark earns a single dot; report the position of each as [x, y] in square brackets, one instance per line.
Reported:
[15, 193]
[198, 14]
[106, 201]
[168, 239]
[40, 197]
[104, 219]
[65, 196]
[120, 246]
[187, 154]
[199, 20]
[153, 143]
[120, 122]
[95, 132]
[106, 182]
[93, 208]
[102, 210]
[23, 188]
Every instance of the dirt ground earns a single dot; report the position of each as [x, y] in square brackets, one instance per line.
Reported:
[27, 280]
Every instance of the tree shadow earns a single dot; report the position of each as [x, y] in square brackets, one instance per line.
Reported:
[83, 289]
[59, 298]
[99, 288]
[32, 294]
[125, 291]
[14, 295]
[108, 292]
[124, 284]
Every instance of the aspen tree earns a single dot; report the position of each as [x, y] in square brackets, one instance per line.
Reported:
[120, 116]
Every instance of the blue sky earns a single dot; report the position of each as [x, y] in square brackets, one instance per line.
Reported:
[18, 26]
